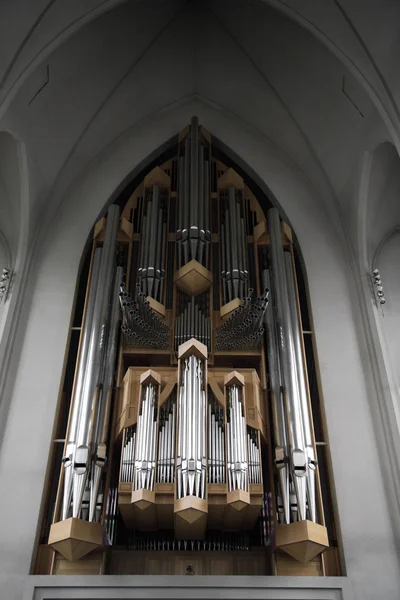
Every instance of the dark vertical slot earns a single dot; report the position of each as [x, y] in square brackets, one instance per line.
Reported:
[214, 177]
[305, 319]
[134, 219]
[254, 220]
[214, 216]
[248, 217]
[216, 275]
[170, 275]
[174, 175]
[172, 215]
[252, 267]
[81, 292]
[131, 215]
[262, 263]
[134, 268]
[140, 205]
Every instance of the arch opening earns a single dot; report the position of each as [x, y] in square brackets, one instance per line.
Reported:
[184, 438]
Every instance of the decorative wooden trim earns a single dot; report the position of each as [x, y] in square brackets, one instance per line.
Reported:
[303, 540]
[73, 538]
[193, 278]
[192, 346]
[157, 177]
[230, 179]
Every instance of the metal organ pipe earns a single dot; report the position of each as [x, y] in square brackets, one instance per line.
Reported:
[68, 457]
[193, 233]
[146, 440]
[244, 328]
[84, 429]
[191, 459]
[287, 351]
[237, 440]
[151, 269]
[166, 442]
[234, 272]
[253, 449]
[216, 452]
[278, 404]
[103, 411]
[300, 368]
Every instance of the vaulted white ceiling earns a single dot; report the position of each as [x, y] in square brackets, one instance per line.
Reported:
[311, 77]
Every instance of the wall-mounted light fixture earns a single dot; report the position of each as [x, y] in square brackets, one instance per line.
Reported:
[378, 285]
[4, 283]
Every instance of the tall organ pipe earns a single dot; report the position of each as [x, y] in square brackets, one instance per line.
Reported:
[237, 440]
[145, 454]
[288, 361]
[103, 413]
[191, 459]
[234, 270]
[68, 457]
[307, 420]
[193, 232]
[278, 402]
[95, 355]
[166, 442]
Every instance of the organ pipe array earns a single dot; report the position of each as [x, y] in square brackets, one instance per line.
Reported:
[145, 453]
[85, 452]
[193, 235]
[128, 454]
[151, 272]
[237, 457]
[216, 442]
[193, 322]
[253, 453]
[295, 454]
[166, 442]
[169, 423]
[139, 322]
[191, 449]
[234, 271]
[244, 328]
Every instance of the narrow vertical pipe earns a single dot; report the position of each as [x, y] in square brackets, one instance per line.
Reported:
[287, 353]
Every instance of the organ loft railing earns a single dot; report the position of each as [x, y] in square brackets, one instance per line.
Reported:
[191, 421]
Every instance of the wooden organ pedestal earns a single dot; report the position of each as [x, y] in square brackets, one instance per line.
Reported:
[190, 445]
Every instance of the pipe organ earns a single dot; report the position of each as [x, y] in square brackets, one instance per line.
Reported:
[190, 415]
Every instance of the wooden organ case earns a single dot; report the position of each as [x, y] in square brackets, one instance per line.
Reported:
[190, 446]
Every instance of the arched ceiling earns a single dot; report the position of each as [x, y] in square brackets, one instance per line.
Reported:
[77, 75]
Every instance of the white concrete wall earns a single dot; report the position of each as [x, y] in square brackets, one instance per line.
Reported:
[368, 541]
[388, 263]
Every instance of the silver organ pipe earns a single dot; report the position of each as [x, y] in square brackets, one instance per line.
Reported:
[253, 450]
[76, 400]
[302, 386]
[104, 407]
[193, 233]
[216, 442]
[145, 452]
[244, 328]
[128, 455]
[86, 405]
[281, 458]
[166, 441]
[140, 325]
[193, 321]
[191, 460]
[151, 269]
[237, 440]
[234, 269]
[299, 465]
